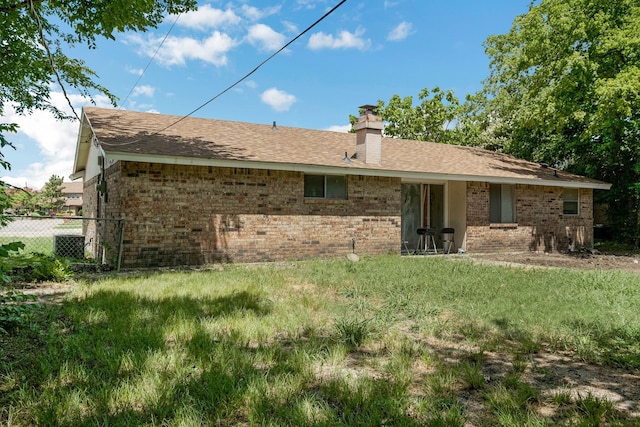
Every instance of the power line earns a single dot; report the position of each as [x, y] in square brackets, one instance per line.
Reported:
[50, 57]
[150, 61]
[252, 71]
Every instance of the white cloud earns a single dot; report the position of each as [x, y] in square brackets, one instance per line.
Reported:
[308, 4]
[290, 27]
[265, 38]
[177, 50]
[255, 14]
[400, 32]
[207, 17]
[339, 128]
[345, 40]
[136, 71]
[55, 139]
[278, 99]
[145, 90]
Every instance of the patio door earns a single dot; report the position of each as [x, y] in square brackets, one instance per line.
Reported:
[433, 212]
[422, 206]
[411, 195]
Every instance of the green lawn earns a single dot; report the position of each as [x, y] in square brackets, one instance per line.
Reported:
[386, 341]
[32, 244]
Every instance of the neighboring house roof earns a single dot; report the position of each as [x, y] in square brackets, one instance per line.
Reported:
[72, 192]
[149, 137]
[72, 187]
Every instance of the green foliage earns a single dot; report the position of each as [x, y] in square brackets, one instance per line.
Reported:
[51, 198]
[597, 410]
[5, 251]
[37, 267]
[8, 248]
[353, 332]
[35, 34]
[16, 309]
[433, 119]
[563, 90]
[23, 201]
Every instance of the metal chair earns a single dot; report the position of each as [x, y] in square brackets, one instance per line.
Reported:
[446, 235]
[426, 240]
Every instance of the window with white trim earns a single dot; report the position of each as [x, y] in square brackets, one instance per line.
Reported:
[325, 186]
[502, 203]
[570, 201]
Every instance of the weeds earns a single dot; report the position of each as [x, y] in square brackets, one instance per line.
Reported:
[353, 332]
[385, 341]
[16, 310]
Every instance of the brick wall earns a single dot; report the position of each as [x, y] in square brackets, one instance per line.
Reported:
[102, 232]
[540, 223]
[191, 215]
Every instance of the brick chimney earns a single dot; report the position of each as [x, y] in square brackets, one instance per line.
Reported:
[369, 135]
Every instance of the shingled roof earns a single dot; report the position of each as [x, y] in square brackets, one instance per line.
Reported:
[149, 137]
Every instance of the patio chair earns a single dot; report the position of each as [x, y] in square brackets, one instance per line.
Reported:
[446, 235]
[426, 241]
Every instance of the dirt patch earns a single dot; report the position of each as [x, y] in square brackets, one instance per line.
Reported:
[555, 372]
[552, 373]
[576, 260]
[46, 292]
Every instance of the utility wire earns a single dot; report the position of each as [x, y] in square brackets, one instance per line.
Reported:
[50, 57]
[150, 61]
[252, 71]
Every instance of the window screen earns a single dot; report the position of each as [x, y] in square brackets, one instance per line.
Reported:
[502, 203]
[325, 186]
[570, 201]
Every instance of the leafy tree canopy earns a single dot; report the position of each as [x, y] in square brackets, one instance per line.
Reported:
[34, 34]
[51, 196]
[565, 88]
[433, 119]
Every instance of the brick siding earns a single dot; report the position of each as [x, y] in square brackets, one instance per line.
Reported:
[192, 215]
[540, 222]
[102, 237]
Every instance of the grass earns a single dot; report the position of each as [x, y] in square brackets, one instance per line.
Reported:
[32, 244]
[387, 340]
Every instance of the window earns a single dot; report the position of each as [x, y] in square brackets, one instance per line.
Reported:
[570, 201]
[325, 186]
[502, 207]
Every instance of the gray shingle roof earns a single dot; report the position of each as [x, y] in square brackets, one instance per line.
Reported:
[128, 134]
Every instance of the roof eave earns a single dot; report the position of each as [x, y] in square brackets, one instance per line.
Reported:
[85, 136]
[352, 169]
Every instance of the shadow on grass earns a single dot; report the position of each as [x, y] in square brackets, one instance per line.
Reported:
[116, 358]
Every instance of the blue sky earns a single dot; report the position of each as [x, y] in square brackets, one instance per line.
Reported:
[363, 52]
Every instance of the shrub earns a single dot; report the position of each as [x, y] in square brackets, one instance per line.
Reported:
[16, 309]
[38, 267]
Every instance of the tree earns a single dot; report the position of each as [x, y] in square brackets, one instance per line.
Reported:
[564, 89]
[51, 198]
[33, 34]
[431, 120]
[23, 201]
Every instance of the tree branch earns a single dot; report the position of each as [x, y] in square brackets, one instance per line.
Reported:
[51, 62]
[21, 5]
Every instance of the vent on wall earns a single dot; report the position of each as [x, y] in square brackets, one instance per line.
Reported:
[100, 160]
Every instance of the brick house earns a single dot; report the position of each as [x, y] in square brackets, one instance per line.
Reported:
[195, 191]
[72, 192]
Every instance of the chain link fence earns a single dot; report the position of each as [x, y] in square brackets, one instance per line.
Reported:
[81, 239]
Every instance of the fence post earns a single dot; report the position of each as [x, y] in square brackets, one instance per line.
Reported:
[121, 225]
